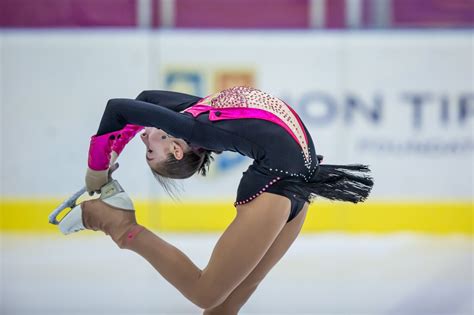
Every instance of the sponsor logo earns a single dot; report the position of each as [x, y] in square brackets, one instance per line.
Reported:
[420, 123]
[185, 81]
[224, 79]
[202, 82]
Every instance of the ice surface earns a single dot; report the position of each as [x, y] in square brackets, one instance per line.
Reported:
[321, 274]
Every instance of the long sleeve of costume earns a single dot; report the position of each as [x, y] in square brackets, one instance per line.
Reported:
[119, 112]
[123, 118]
[172, 100]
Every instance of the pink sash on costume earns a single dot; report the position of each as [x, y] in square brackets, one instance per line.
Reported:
[245, 102]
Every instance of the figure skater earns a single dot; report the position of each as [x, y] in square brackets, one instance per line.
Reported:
[181, 133]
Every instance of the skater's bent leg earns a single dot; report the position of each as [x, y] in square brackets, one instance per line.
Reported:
[238, 251]
[242, 293]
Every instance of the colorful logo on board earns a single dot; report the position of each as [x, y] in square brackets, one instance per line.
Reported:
[201, 82]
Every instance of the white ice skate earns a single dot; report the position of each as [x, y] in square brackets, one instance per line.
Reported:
[111, 193]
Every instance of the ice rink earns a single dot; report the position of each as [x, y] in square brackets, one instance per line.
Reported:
[387, 84]
[321, 274]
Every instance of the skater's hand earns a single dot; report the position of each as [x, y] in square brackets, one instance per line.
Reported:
[112, 169]
[96, 179]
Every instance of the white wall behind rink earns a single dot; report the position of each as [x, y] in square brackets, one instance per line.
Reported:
[402, 102]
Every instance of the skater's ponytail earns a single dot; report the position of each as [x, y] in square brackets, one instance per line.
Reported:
[196, 160]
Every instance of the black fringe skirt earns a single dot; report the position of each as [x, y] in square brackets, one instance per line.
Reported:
[351, 183]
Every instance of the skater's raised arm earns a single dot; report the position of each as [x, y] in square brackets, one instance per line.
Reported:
[120, 111]
[172, 100]
[121, 120]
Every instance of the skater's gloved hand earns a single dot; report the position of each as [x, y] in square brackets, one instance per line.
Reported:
[112, 169]
[113, 158]
[96, 179]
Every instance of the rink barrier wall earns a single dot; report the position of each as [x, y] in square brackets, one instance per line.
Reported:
[409, 117]
[31, 215]
[417, 152]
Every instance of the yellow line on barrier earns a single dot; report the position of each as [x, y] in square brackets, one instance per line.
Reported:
[31, 215]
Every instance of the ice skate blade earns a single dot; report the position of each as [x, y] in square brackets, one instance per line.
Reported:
[111, 193]
[72, 221]
[67, 204]
[108, 190]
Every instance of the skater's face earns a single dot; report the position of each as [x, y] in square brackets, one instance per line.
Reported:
[159, 145]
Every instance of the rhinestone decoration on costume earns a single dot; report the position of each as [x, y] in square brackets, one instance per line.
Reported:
[243, 96]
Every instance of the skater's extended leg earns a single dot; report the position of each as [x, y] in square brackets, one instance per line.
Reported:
[242, 293]
[238, 251]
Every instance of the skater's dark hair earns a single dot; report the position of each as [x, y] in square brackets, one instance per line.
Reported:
[196, 160]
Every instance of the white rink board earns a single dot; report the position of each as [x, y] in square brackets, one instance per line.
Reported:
[402, 102]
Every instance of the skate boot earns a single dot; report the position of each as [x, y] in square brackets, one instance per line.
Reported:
[114, 198]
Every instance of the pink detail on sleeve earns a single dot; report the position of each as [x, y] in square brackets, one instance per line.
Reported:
[100, 148]
[124, 137]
